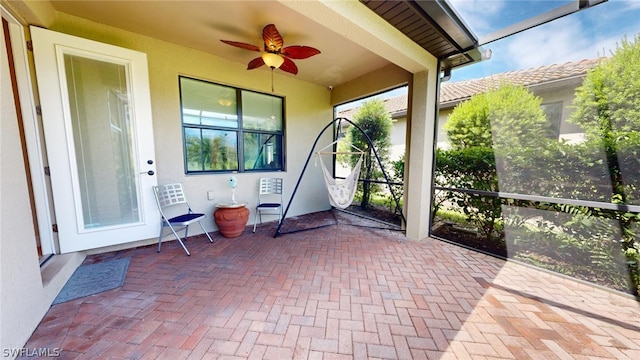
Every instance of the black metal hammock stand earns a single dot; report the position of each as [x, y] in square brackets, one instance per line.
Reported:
[295, 190]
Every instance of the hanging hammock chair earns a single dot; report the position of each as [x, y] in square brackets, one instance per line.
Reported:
[341, 191]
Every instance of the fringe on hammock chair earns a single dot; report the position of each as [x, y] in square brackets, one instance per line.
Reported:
[341, 191]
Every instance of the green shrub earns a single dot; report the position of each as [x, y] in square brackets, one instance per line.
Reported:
[471, 168]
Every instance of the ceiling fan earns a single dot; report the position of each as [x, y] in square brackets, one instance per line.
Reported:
[274, 55]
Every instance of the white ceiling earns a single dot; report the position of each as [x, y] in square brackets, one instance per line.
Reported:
[202, 24]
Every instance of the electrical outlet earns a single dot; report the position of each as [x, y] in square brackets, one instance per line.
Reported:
[211, 195]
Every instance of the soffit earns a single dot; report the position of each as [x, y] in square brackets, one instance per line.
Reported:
[433, 25]
[202, 24]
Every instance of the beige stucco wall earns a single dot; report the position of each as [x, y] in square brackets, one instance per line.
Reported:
[566, 95]
[419, 155]
[443, 139]
[18, 256]
[386, 78]
[563, 91]
[307, 111]
[26, 288]
[398, 138]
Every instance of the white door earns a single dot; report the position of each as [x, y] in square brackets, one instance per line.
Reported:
[96, 114]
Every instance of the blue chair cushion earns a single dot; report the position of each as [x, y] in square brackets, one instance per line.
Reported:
[185, 218]
[269, 205]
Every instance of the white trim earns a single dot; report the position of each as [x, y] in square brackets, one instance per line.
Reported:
[48, 47]
[32, 134]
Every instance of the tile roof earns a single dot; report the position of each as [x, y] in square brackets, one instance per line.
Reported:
[461, 90]
[396, 105]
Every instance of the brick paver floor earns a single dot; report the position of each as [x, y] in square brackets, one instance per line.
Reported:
[338, 292]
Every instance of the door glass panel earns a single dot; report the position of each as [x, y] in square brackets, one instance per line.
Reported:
[103, 142]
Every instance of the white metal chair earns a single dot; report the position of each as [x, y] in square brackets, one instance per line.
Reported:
[269, 199]
[168, 197]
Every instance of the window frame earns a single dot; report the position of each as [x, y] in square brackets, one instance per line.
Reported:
[555, 124]
[240, 131]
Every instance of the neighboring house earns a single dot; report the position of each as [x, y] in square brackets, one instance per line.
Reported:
[397, 107]
[555, 84]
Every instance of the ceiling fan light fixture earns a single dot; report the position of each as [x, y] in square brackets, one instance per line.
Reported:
[225, 102]
[274, 54]
[272, 60]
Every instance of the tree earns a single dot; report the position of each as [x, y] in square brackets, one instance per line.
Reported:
[608, 101]
[608, 109]
[375, 121]
[507, 116]
[482, 131]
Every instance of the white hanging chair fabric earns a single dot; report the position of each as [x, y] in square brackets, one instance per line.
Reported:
[341, 191]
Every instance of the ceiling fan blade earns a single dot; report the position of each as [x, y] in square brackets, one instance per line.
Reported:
[255, 63]
[242, 45]
[272, 39]
[289, 66]
[299, 52]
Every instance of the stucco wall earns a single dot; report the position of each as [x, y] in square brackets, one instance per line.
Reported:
[398, 138]
[566, 95]
[386, 78]
[26, 288]
[559, 92]
[308, 110]
[18, 257]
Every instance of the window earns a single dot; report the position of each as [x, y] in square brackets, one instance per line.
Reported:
[553, 111]
[228, 129]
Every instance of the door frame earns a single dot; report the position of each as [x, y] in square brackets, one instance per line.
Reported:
[49, 47]
[32, 130]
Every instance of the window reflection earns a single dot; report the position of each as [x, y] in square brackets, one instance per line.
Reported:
[540, 163]
[216, 129]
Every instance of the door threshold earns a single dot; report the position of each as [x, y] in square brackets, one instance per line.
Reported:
[44, 259]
